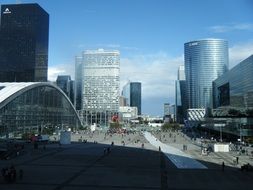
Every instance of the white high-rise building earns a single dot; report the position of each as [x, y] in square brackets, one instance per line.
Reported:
[101, 86]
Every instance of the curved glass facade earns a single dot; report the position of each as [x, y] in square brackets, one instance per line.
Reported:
[205, 60]
[235, 88]
[35, 107]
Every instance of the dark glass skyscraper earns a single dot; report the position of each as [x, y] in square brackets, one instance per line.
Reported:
[78, 82]
[65, 83]
[132, 93]
[181, 96]
[23, 43]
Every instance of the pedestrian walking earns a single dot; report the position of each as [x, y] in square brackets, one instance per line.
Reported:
[237, 160]
[223, 166]
[108, 150]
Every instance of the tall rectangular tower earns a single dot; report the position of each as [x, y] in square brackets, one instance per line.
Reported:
[23, 43]
[65, 83]
[181, 96]
[181, 73]
[100, 95]
[78, 82]
[132, 93]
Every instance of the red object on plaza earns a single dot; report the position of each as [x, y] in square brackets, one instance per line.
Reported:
[115, 118]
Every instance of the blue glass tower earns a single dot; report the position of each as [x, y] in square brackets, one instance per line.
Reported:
[132, 93]
[205, 60]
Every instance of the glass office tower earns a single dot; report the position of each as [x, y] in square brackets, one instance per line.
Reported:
[132, 92]
[23, 43]
[205, 60]
[180, 96]
[65, 83]
[235, 88]
[78, 82]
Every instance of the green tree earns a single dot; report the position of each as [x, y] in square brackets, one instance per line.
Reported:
[115, 125]
[170, 126]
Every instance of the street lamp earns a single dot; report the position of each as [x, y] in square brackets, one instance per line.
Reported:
[220, 134]
[221, 125]
[241, 133]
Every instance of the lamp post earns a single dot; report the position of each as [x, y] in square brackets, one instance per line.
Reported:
[220, 134]
[240, 134]
[221, 125]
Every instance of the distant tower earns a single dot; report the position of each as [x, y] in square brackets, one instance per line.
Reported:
[166, 109]
[23, 43]
[205, 60]
[132, 93]
[65, 83]
[100, 90]
[181, 73]
[181, 96]
[78, 82]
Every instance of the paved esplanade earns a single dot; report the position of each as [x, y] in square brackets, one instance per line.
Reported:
[176, 156]
[82, 165]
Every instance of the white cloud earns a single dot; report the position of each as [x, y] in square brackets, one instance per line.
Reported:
[107, 46]
[239, 52]
[156, 72]
[62, 69]
[231, 27]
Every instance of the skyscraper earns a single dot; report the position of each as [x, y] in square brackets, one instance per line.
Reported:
[100, 95]
[23, 43]
[78, 82]
[132, 93]
[65, 83]
[181, 73]
[181, 96]
[205, 60]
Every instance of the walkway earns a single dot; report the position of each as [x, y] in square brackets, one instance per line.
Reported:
[176, 156]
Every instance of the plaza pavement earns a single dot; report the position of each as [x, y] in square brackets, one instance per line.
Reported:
[85, 166]
[179, 158]
[194, 149]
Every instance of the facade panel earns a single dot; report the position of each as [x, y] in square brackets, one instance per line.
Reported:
[235, 88]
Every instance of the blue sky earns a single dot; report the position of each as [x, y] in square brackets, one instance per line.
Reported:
[150, 35]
